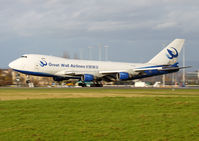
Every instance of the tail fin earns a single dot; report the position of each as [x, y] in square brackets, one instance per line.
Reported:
[169, 54]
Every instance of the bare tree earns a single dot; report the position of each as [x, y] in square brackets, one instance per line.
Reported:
[76, 56]
[5, 77]
[66, 55]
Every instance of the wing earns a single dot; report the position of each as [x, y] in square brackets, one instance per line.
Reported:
[112, 75]
[115, 75]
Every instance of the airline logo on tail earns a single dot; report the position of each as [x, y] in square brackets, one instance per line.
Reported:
[172, 53]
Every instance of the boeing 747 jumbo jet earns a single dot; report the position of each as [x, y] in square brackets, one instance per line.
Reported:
[85, 70]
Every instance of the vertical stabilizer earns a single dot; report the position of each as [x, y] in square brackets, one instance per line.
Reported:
[169, 54]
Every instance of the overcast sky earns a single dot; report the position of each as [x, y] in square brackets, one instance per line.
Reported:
[134, 30]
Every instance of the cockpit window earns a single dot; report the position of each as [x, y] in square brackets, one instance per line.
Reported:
[23, 56]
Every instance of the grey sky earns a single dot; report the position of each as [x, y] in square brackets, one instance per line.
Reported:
[134, 30]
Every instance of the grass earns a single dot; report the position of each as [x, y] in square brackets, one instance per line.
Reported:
[172, 117]
[39, 93]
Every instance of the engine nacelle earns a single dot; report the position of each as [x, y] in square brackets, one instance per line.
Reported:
[87, 77]
[57, 78]
[123, 76]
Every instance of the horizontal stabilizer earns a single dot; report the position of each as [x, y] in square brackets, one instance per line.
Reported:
[175, 68]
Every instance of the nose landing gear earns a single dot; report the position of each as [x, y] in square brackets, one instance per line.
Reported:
[28, 82]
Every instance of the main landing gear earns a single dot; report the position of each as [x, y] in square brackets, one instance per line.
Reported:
[96, 84]
[82, 84]
[92, 84]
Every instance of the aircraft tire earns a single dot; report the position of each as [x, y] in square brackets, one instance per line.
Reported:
[84, 85]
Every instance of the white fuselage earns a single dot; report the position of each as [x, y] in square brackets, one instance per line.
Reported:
[50, 65]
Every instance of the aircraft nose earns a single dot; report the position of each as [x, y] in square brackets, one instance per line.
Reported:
[12, 64]
[17, 64]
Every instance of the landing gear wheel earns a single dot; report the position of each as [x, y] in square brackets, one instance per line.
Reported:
[92, 85]
[82, 84]
[101, 85]
[97, 84]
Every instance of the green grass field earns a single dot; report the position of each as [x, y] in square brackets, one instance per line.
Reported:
[99, 114]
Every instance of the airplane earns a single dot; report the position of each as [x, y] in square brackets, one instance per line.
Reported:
[97, 71]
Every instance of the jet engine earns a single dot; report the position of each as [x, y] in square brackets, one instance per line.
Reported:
[87, 77]
[123, 76]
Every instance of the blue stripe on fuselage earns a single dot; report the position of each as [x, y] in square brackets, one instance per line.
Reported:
[35, 73]
[174, 65]
[43, 74]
